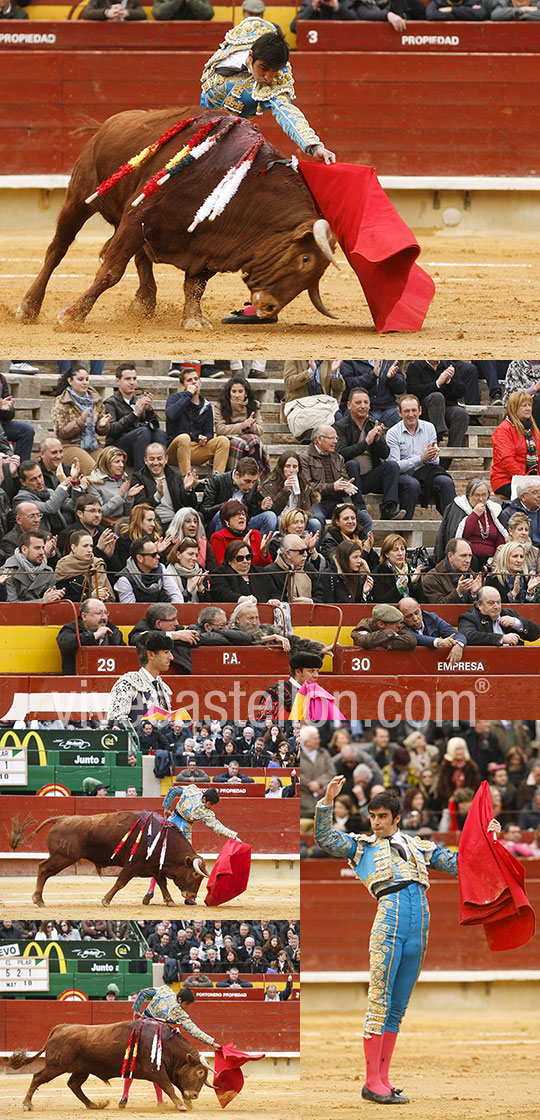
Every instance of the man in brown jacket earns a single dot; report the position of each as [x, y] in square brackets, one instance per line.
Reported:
[309, 377]
[331, 480]
[452, 581]
[384, 630]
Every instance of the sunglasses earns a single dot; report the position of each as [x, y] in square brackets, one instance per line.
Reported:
[299, 550]
[243, 556]
[156, 553]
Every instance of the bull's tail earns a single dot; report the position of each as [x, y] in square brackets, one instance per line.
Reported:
[19, 833]
[22, 1058]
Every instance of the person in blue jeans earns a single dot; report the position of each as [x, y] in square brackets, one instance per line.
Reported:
[17, 432]
[96, 366]
[394, 868]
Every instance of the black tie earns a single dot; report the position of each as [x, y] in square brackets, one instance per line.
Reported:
[398, 849]
[162, 703]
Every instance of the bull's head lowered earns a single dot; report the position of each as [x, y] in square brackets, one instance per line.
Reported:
[190, 875]
[189, 1076]
[284, 266]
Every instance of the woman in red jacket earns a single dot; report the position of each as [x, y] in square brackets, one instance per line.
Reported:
[516, 444]
[234, 518]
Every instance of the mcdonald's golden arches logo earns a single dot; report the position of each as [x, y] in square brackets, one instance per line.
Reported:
[35, 949]
[10, 738]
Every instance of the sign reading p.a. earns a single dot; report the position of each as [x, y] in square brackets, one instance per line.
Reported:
[230, 658]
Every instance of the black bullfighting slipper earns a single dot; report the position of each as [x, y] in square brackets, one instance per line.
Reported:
[189, 902]
[379, 1098]
[246, 317]
[399, 1094]
[148, 898]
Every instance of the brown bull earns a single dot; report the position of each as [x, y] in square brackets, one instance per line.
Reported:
[96, 837]
[83, 1050]
[270, 230]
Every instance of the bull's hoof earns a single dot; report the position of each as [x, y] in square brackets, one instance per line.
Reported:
[143, 308]
[37, 899]
[97, 1106]
[181, 1107]
[170, 902]
[188, 1104]
[70, 318]
[148, 898]
[26, 313]
[27, 1107]
[195, 324]
[105, 902]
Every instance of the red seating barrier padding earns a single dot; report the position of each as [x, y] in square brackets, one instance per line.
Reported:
[270, 826]
[453, 38]
[215, 660]
[341, 945]
[302, 614]
[272, 1027]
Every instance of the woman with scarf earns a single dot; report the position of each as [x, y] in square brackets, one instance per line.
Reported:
[473, 517]
[286, 485]
[348, 578]
[509, 578]
[237, 415]
[235, 578]
[524, 377]
[109, 482]
[297, 521]
[187, 523]
[81, 574]
[79, 418]
[516, 444]
[184, 567]
[393, 576]
[345, 526]
[234, 518]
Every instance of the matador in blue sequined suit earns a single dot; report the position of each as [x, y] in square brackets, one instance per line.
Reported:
[394, 870]
[228, 83]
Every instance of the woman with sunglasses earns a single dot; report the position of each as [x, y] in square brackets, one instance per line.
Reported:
[235, 578]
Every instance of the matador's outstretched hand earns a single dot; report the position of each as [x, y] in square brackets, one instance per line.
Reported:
[333, 788]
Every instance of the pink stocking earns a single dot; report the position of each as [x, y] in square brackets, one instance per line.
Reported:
[372, 1052]
[152, 886]
[388, 1043]
[159, 1093]
[127, 1086]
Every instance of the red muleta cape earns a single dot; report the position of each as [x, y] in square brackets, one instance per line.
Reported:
[378, 244]
[228, 1077]
[230, 874]
[491, 882]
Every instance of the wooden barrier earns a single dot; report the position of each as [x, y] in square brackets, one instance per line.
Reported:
[254, 1025]
[450, 100]
[211, 660]
[269, 826]
[341, 943]
[387, 697]
[492, 660]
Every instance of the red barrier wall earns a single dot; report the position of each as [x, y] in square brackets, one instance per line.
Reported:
[449, 696]
[269, 826]
[271, 1027]
[402, 104]
[337, 916]
[210, 660]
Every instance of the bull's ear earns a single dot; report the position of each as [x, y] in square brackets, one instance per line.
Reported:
[188, 860]
[301, 232]
[189, 1058]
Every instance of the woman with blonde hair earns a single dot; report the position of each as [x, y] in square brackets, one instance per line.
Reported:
[423, 754]
[519, 530]
[296, 521]
[516, 444]
[394, 577]
[457, 770]
[79, 418]
[142, 522]
[509, 577]
[110, 483]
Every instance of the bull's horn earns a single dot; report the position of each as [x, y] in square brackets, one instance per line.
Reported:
[205, 1063]
[315, 297]
[198, 868]
[321, 233]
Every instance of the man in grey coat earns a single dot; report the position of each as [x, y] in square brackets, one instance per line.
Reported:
[31, 579]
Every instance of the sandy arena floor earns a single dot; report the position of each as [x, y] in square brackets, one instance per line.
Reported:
[66, 895]
[258, 1100]
[486, 304]
[452, 1068]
